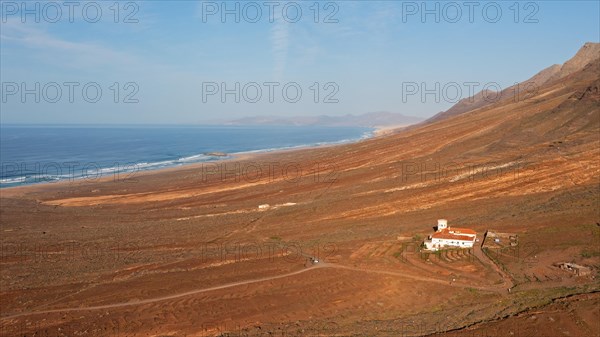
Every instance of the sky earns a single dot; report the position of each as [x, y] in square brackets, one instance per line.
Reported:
[195, 62]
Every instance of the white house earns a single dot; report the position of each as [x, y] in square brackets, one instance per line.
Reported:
[450, 237]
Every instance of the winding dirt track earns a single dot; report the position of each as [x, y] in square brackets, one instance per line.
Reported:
[235, 284]
[508, 282]
[499, 289]
[163, 298]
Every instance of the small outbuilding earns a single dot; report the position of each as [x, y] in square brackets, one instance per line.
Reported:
[575, 268]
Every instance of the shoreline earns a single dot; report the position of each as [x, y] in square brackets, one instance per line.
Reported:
[375, 132]
[389, 129]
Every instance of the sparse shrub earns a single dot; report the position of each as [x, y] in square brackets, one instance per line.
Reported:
[587, 253]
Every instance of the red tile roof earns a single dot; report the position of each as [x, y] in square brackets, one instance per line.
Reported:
[445, 234]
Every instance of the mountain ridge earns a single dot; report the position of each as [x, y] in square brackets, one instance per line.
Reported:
[589, 52]
[370, 119]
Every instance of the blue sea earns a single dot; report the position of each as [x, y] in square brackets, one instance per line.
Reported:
[38, 154]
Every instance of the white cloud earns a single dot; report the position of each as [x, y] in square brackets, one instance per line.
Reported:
[61, 52]
[279, 45]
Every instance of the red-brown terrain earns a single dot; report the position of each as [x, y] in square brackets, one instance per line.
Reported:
[188, 252]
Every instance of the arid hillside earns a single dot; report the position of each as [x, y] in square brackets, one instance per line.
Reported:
[222, 248]
[587, 54]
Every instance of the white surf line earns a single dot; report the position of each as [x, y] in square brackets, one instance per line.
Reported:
[163, 298]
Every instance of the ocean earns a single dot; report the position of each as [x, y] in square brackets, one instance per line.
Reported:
[40, 154]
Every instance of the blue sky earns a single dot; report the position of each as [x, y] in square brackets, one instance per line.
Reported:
[174, 51]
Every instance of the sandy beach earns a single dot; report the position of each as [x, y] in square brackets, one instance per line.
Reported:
[300, 169]
[226, 246]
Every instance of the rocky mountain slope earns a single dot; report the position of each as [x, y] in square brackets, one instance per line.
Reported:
[527, 166]
[588, 53]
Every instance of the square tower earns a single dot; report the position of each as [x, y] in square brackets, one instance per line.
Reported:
[442, 224]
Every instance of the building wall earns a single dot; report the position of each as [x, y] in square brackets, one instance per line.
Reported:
[454, 243]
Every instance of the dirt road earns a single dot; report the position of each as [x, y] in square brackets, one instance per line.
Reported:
[500, 288]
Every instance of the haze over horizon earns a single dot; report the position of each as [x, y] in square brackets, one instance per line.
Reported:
[300, 168]
[359, 54]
